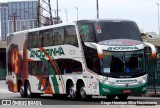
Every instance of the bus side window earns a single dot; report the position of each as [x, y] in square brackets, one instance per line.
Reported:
[29, 38]
[91, 59]
[58, 36]
[87, 32]
[46, 38]
[41, 39]
[33, 39]
[70, 36]
[50, 38]
[69, 65]
[33, 70]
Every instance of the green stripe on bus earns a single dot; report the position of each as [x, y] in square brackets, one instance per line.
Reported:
[58, 70]
[54, 79]
[105, 89]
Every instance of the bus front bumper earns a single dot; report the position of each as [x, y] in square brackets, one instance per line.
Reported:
[105, 89]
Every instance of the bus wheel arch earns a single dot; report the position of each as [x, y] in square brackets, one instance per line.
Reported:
[70, 89]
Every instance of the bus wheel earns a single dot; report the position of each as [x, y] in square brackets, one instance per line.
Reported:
[123, 97]
[110, 97]
[72, 92]
[22, 91]
[28, 90]
[82, 93]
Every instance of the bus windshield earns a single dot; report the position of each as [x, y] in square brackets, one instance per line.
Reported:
[113, 63]
[106, 30]
[117, 30]
[125, 63]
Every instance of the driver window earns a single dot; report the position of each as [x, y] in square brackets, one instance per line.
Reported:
[86, 32]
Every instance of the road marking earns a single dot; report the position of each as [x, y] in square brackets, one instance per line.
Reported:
[5, 91]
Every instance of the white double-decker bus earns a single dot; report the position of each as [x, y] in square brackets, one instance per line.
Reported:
[79, 59]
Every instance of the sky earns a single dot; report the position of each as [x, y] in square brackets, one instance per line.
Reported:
[143, 12]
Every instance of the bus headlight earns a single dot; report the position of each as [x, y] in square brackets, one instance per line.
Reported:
[144, 80]
[104, 81]
[108, 83]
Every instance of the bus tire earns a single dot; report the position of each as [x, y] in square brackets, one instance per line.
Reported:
[29, 94]
[72, 92]
[82, 93]
[22, 91]
[123, 97]
[110, 97]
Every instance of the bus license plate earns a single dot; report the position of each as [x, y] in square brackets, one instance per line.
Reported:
[126, 91]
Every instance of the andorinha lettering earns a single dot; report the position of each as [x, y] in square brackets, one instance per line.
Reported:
[127, 80]
[122, 48]
[51, 52]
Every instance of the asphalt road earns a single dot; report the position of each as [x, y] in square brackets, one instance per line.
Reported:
[101, 101]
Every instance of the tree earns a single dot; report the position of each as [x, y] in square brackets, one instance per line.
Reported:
[143, 35]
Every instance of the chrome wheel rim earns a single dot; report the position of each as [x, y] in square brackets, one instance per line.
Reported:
[22, 90]
[82, 92]
[71, 91]
[28, 90]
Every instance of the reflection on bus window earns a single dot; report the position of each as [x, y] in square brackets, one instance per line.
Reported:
[70, 36]
[92, 59]
[52, 37]
[45, 38]
[123, 62]
[86, 32]
[69, 66]
[33, 38]
[58, 36]
[33, 68]
[116, 64]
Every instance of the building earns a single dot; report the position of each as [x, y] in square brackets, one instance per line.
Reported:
[17, 16]
[152, 35]
[46, 21]
[3, 20]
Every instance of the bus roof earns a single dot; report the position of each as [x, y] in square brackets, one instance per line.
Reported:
[69, 23]
[105, 20]
[41, 28]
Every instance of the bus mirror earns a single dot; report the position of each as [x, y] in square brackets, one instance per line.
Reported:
[99, 50]
[153, 49]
